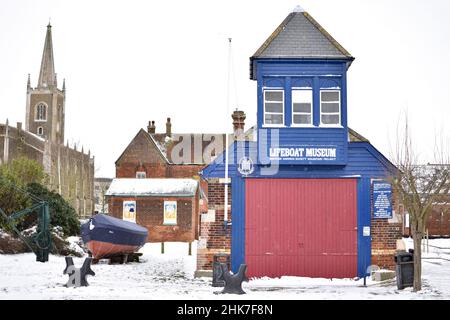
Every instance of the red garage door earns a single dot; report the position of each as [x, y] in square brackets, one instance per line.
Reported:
[301, 227]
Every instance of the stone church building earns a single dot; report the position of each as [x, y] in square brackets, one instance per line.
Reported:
[71, 172]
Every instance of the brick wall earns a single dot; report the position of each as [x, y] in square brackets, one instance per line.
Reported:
[214, 237]
[149, 213]
[385, 234]
[438, 222]
[384, 242]
[129, 169]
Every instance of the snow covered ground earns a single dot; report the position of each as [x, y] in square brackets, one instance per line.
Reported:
[171, 276]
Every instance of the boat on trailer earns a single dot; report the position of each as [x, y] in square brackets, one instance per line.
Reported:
[107, 237]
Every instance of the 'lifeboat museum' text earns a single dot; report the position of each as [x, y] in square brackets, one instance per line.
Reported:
[303, 153]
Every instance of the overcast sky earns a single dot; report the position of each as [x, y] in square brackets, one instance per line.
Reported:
[127, 62]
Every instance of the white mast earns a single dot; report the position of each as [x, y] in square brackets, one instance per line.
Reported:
[225, 208]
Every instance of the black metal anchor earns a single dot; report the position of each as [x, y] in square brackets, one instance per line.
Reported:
[77, 276]
[233, 282]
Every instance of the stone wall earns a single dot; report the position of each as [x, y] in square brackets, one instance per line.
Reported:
[71, 172]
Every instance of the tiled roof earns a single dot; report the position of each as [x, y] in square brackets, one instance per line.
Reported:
[300, 36]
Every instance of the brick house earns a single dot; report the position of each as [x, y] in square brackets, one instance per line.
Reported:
[154, 157]
[150, 199]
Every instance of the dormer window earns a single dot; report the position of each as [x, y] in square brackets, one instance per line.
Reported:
[302, 104]
[330, 108]
[273, 107]
[41, 112]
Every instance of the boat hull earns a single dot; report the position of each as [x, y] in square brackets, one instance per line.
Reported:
[106, 236]
[104, 250]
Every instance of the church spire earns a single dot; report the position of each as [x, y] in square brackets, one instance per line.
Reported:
[47, 77]
[28, 83]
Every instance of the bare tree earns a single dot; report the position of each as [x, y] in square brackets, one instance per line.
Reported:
[420, 187]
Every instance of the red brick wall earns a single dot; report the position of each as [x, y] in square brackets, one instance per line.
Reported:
[385, 234]
[214, 238]
[128, 170]
[149, 213]
[438, 222]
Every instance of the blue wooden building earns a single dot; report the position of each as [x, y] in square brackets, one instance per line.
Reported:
[302, 199]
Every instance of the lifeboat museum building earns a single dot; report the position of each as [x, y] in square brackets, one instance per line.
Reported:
[309, 196]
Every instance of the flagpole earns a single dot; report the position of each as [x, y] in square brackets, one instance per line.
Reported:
[225, 208]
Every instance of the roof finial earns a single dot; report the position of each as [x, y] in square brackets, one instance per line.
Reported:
[29, 82]
[49, 22]
[298, 8]
[64, 85]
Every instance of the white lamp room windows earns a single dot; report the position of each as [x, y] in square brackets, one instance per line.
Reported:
[40, 131]
[41, 112]
[274, 108]
[330, 108]
[141, 175]
[302, 104]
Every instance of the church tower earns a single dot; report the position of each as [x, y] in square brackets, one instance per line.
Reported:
[46, 103]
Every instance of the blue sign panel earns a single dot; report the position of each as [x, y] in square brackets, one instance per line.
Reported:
[302, 153]
[382, 200]
[302, 146]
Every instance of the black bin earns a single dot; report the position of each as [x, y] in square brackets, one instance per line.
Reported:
[217, 280]
[404, 269]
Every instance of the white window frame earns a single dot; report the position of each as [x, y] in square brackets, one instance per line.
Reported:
[141, 172]
[40, 129]
[36, 112]
[331, 113]
[299, 125]
[264, 108]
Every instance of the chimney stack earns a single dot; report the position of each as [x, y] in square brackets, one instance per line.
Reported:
[151, 128]
[238, 124]
[168, 128]
[19, 126]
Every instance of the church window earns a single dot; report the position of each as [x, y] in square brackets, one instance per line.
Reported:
[41, 112]
[40, 131]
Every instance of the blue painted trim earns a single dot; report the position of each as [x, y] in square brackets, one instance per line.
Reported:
[391, 169]
[344, 100]
[288, 102]
[238, 223]
[364, 242]
[316, 103]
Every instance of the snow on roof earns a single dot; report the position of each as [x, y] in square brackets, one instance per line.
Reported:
[153, 187]
[162, 148]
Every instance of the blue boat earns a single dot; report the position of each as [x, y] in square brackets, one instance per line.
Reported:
[107, 237]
